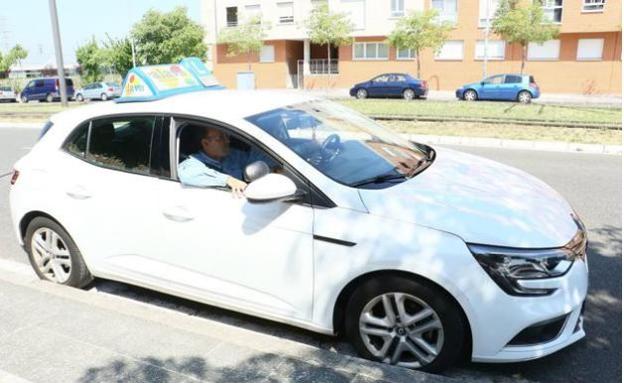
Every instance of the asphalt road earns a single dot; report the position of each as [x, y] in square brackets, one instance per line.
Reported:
[593, 185]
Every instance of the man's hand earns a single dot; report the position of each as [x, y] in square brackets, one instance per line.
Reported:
[236, 185]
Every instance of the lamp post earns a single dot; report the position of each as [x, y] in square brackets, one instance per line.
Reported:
[56, 35]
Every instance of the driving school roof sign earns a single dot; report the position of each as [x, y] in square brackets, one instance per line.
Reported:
[158, 81]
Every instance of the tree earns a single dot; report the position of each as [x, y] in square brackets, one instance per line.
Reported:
[522, 25]
[89, 56]
[117, 53]
[327, 28]
[244, 39]
[162, 38]
[420, 30]
[12, 57]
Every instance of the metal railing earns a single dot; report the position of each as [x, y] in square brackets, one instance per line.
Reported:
[319, 66]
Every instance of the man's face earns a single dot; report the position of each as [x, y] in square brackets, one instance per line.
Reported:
[216, 144]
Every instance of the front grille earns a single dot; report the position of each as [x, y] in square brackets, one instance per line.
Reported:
[538, 333]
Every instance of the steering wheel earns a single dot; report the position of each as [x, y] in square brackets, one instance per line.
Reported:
[330, 148]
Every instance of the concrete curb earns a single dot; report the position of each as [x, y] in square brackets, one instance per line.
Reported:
[548, 146]
[230, 337]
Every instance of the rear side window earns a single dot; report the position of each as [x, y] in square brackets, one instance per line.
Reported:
[69, 82]
[120, 143]
[511, 79]
[531, 79]
[39, 83]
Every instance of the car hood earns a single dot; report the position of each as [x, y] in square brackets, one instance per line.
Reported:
[479, 200]
[471, 85]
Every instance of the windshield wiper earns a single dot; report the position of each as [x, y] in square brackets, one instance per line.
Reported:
[379, 179]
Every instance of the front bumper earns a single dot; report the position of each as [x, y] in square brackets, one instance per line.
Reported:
[501, 318]
[459, 93]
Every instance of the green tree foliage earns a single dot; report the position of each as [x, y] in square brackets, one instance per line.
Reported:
[418, 31]
[89, 56]
[13, 56]
[327, 28]
[162, 38]
[117, 53]
[245, 39]
[522, 25]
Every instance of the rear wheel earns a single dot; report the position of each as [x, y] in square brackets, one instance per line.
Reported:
[470, 95]
[361, 94]
[401, 321]
[409, 94]
[53, 254]
[524, 97]
[103, 97]
[49, 98]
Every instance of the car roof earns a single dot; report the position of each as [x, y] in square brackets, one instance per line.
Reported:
[225, 105]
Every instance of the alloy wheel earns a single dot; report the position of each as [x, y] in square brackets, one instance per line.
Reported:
[51, 255]
[470, 95]
[401, 329]
[524, 97]
[104, 97]
[408, 94]
[361, 94]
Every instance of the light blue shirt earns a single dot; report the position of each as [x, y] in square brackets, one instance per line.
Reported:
[201, 170]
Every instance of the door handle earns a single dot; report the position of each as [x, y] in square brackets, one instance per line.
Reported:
[178, 214]
[78, 192]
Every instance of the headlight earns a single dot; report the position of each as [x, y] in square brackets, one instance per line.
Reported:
[507, 265]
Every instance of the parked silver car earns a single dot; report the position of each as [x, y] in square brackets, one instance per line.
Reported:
[98, 90]
[7, 94]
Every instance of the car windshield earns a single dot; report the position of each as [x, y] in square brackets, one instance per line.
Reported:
[345, 145]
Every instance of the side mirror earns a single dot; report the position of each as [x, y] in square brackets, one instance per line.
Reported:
[256, 170]
[271, 187]
[482, 83]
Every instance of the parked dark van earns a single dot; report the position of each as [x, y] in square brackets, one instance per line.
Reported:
[46, 89]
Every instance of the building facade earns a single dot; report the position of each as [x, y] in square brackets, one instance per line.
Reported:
[585, 58]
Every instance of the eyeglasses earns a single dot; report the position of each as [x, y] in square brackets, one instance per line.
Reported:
[219, 138]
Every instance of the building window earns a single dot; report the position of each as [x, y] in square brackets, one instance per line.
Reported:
[285, 12]
[487, 11]
[593, 5]
[253, 11]
[589, 49]
[447, 10]
[451, 50]
[355, 10]
[232, 16]
[267, 54]
[549, 50]
[552, 10]
[495, 50]
[370, 51]
[397, 8]
[405, 54]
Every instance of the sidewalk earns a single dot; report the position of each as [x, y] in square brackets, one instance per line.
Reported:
[54, 333]
[545, 98]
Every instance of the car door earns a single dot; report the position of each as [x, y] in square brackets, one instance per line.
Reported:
[396, 84]
[91, 91]
[242, 255]
[491, 88]
[511, 87]
[379, 86]
[38, 92]
[110, 185]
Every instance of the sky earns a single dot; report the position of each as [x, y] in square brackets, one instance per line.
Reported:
[27, 22]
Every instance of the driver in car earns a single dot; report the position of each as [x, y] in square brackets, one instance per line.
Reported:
[216, 164]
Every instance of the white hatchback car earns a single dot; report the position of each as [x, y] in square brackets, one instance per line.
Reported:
[417, 255]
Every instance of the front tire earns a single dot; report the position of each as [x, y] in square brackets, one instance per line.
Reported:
[53, 254]
[470, 95]
[24, 99]
[401, 321]
[361, 94]
[524, 97]
[79, 97]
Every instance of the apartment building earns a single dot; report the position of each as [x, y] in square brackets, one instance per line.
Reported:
[585, 58]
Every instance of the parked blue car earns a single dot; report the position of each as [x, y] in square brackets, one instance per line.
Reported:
[510, 87]
[46, 89]
[391, 85]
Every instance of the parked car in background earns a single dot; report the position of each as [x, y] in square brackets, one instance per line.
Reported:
[46, 89]
[510, 87]
[7, 94]
[391, 85]
[99, 90]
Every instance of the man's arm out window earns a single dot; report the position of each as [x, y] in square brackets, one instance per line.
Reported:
[192, 172]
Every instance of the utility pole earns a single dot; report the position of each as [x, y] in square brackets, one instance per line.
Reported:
[56, 35]
[487, 37]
